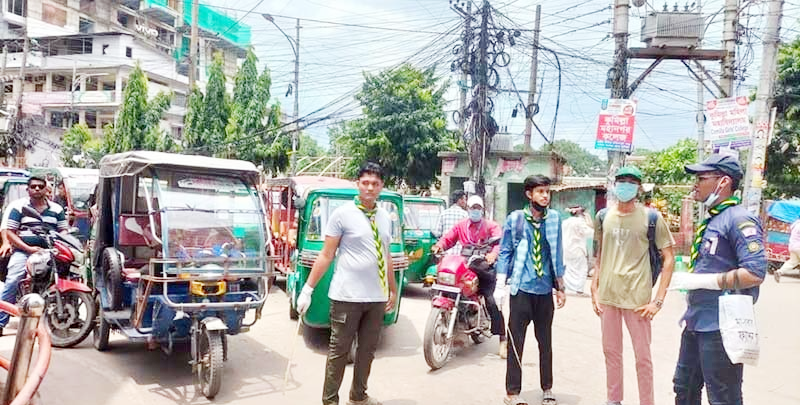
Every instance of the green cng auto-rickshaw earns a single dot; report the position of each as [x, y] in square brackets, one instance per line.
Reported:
[313, 199]
[420, 216]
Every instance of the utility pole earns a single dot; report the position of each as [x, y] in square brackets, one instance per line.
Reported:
[462, 122]
[481, 128]
[193, 43]
[16, 135]
[619, 85]
[763, 104]
[530, 109]
[2, 73]
[729, 34]
[296, 89]
[72, 93]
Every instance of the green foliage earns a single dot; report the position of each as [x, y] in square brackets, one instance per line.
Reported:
[75, 140]
[666, 167]
[208, 114]
[403, 128]
[783, 153]
[137, 127]
[253, 130]
[581, 161]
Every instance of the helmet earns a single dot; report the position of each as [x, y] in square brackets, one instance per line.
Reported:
[38, 263]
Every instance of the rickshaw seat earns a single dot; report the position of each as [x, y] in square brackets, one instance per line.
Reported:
[132, 229]
[131, 274]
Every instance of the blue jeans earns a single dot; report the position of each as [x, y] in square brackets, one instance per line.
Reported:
[16, 272]
[702, 360]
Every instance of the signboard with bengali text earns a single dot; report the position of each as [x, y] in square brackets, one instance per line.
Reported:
[615, 125]
[728, 122]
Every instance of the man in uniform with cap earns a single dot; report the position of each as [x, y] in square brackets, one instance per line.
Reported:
[727, 253]
[622, 286]
[476, 230]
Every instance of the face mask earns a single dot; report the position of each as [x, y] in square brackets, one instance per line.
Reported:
[626, 191]
[538, 207]
[475, 215]
[713, 197]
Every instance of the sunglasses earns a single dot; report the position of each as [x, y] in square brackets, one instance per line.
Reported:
[37, 186]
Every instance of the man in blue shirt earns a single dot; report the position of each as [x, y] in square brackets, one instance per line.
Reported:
[728, 247]
[531, 261]
[24, 242]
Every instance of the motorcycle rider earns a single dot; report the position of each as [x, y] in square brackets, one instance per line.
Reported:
[23, 241]
[477, 230]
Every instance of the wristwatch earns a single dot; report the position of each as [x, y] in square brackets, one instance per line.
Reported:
[658, 303]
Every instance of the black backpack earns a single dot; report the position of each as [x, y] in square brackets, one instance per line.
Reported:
[656, 258]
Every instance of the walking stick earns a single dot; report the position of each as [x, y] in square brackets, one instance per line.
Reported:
[291, 356]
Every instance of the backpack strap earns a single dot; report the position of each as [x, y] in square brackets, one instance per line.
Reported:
[652, 219]
[601, 215]
[519, 229]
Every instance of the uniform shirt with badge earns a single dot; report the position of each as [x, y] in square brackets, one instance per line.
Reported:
[734, 239]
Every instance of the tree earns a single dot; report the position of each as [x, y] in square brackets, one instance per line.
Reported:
[80, 148]
[253, 130]
[138, 124]
[783, 153]
[208, 114]
[582, 162]
[403, 127]
[666, 167]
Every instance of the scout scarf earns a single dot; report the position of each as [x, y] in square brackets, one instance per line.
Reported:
[536, 243]
[698, 236]
[378, 244]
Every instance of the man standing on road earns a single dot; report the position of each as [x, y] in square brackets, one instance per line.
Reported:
[450, 217]
[362, 289]
[727, 253]
[477, 230]
[531, 261]
[23, 241]
[622, 285]
[577, 229]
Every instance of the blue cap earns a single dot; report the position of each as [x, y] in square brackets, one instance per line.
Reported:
[718, 163]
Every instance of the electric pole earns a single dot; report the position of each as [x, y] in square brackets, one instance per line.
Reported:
[482, 121]
[3, 73]
[729, 34]
[465, 67]
[619, 82]
[17, 130]
[531, 108]
[193, 43]
[296, 89]
[763, 105]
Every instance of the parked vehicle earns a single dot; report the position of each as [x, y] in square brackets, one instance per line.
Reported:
[179, 254]
[53, 273]
[780, 216]
[456, 306]
[420, 216]
[311, 200]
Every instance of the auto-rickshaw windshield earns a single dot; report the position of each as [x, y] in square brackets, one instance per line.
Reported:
[324, 206]
[80, 190]
[210, 216]
[421, 216]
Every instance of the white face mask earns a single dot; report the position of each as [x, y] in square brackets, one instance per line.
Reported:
[713, 197]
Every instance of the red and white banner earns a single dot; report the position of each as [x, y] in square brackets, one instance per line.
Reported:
[615, 125]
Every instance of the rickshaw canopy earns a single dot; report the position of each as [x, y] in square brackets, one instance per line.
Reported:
[134, 163]
[785, 210]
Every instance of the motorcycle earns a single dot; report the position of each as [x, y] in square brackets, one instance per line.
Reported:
[456, 305]
[54, 273]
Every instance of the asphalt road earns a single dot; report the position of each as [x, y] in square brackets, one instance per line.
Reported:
[254, 373]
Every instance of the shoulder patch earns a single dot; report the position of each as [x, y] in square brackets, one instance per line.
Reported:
[747, 228]
[753, 247]
[745, 224]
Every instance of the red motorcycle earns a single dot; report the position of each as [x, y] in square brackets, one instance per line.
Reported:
[457, 307]
[53, 273]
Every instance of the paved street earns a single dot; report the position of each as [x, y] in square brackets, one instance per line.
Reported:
[129, 374]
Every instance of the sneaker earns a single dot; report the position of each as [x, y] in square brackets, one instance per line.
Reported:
[777, 275]
[368, 401]
[613, 403]
[503, 352]
[514, 400]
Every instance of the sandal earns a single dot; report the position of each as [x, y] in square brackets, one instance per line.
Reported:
[514, 400]
[548, 398]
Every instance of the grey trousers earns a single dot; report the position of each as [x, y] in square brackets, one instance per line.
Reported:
[348, 320]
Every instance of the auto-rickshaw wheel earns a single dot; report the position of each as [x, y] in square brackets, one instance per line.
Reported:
[112, 278]
[210, 361]
[101, 329]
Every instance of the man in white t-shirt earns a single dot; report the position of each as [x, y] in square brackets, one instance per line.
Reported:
[362, 289]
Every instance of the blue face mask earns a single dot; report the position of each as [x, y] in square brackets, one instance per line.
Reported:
[626, 191]
[475, 215]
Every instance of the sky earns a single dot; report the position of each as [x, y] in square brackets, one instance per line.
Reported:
[340, 41]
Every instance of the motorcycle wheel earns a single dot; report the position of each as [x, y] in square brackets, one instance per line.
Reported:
[74, 322]
[101, 331]
[210, 362]
[435, 345]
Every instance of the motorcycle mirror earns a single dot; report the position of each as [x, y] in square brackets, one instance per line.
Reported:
[299, 203]
[30, 212]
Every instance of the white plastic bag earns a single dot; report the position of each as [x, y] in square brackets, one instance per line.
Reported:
[737, 324]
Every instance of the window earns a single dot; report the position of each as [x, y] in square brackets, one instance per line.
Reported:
[78, 46]
[60, 83]
[109, 86]
[60, 119]
[38, 87]
[122, 18]
[91, 119]
[85, 26]
[128, 51]
[18, 7]
[54, 15]
[179, 100]
[92, 83]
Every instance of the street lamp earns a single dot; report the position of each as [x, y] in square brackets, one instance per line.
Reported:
[295, 44]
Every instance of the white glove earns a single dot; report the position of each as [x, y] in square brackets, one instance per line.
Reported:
[691, 281]
[500, 290]
[304, 299]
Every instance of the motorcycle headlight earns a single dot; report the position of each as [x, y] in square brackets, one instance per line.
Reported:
[446, 278]
[38, 263]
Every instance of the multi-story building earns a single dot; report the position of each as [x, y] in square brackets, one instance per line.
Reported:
[82, 52]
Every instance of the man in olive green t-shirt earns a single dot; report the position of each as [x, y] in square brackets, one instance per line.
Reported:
[622, 285]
